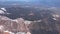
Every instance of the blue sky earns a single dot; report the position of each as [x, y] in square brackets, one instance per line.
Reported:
[34, 0]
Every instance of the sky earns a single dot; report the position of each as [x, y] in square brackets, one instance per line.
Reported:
[43, 2]
[34, 0]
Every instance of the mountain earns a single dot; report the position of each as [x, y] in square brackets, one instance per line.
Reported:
[44, 3]
[30, 20]
[30, 16]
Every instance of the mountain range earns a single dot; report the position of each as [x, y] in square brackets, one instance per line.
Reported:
[46, 3]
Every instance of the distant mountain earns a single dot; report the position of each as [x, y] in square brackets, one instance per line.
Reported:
[46, 3]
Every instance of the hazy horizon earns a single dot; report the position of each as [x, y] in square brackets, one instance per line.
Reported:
[52, 3]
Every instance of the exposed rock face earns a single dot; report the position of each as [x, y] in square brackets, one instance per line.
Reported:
[8, 24]
[14, 26]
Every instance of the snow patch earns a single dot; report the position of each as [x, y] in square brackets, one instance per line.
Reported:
[9, 32]
[3, 9]
[1, 27]
[27, 22]
[15, 20]
[55, 15]
[54, 19]
[2, 12]
[20, 33]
